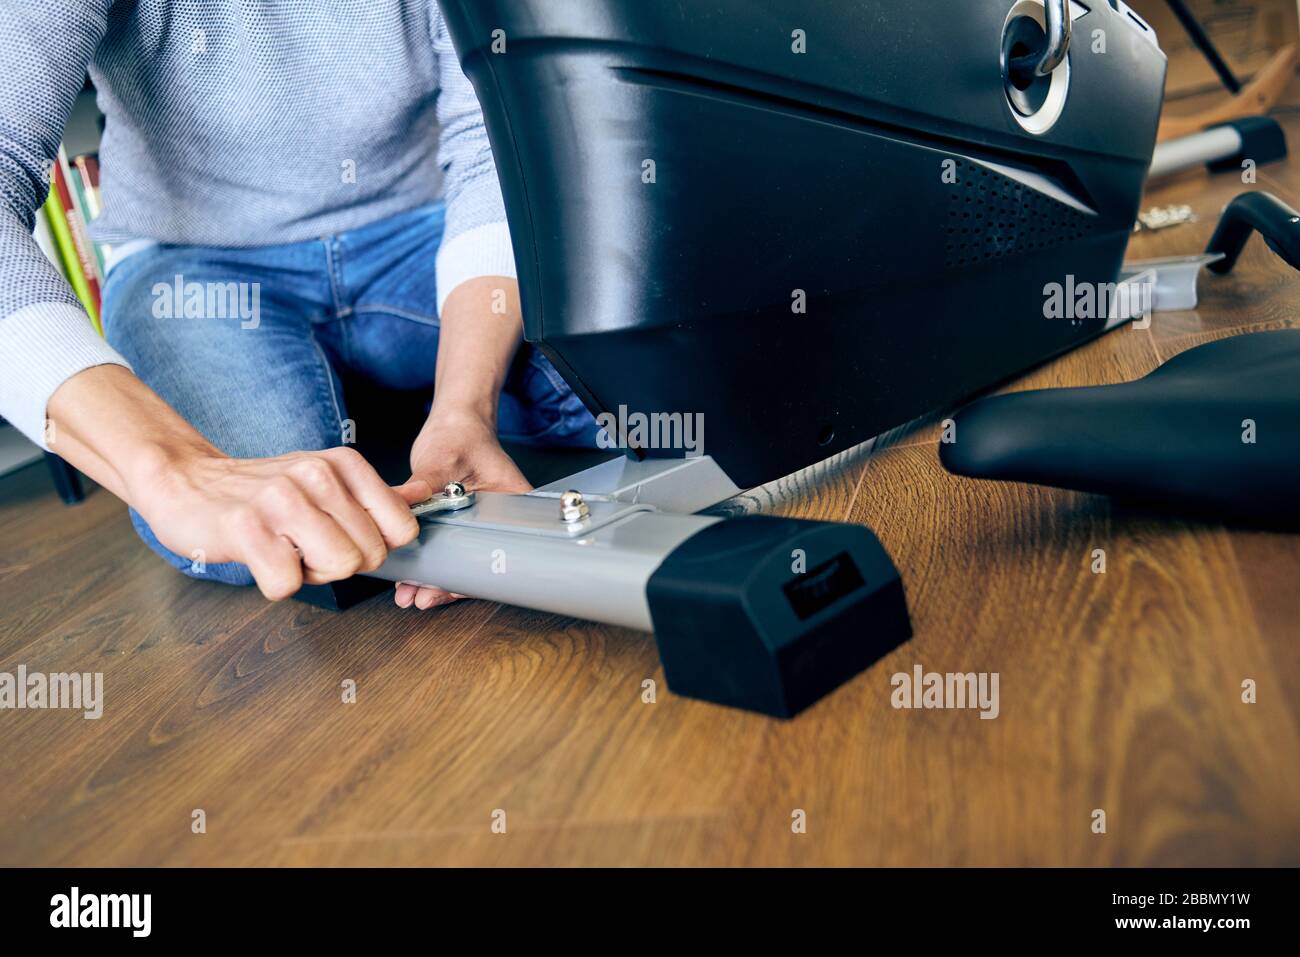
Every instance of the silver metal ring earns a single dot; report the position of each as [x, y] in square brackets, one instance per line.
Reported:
[1058, 29]
[1046, 116]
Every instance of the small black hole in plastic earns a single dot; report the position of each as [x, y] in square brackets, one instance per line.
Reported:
[1020, 79]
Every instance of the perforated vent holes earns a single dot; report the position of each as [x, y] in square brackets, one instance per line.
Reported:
[991, 216]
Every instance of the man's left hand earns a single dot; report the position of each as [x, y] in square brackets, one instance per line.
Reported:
[457, 448]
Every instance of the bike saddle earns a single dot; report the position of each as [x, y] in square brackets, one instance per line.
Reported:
[1214, 431]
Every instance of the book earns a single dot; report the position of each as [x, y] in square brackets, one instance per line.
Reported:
[86, 167]
[78, 225]
[68, 257]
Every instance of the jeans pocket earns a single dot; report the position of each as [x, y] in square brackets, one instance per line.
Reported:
[121, 272]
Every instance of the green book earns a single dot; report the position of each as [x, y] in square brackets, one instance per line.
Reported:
[57, 217]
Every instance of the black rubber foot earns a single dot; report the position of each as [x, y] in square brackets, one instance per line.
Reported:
[340, 596]
[771, 614]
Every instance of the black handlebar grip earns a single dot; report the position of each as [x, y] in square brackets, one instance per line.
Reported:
[1277, 222]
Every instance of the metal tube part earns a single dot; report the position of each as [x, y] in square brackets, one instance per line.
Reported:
[1198, 149]
[597, 571]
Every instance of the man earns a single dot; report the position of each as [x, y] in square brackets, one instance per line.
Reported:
[285, 150]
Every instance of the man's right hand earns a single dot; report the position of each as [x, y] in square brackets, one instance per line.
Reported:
[303, 518]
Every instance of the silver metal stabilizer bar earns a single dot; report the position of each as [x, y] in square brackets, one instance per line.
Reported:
[590, 562]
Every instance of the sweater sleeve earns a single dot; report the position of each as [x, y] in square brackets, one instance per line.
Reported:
[45, 335]
[477, 240]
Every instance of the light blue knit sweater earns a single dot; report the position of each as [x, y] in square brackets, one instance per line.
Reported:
[229, 123]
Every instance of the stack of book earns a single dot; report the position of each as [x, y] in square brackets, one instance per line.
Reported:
[63, 229]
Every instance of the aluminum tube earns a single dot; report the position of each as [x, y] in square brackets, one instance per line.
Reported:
[1197, 149]
[601, 576]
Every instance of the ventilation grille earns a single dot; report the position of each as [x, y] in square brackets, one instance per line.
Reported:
[991, 217]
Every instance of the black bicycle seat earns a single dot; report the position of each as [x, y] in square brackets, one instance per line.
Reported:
[1214, 431]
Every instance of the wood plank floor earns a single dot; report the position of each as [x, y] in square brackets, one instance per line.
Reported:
[1119, 691]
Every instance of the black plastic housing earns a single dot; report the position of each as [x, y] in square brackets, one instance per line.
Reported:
[777, 172]
[770, 614]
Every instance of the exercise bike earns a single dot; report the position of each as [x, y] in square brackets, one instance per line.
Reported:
[805, 224]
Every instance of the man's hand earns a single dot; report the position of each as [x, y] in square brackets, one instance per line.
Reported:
[310, 517]
[304, 518]
[457, 447]
[481, 327]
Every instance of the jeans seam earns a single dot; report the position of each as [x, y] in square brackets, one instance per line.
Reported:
[398, 313]
[333, 255]
[326, 369]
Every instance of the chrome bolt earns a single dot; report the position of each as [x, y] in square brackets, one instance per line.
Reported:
[572, 507]
[454, 490]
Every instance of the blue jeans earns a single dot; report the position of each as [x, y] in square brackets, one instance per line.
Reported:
[248, 344]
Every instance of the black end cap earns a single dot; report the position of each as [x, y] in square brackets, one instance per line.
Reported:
[770, 614]
[342, 595]
[1262, 140]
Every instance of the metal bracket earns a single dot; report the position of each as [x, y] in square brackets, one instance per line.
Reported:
[1170, 282]
[672, 485]
[533, 515]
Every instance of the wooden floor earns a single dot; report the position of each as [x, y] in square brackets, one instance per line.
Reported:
[1119, 691]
